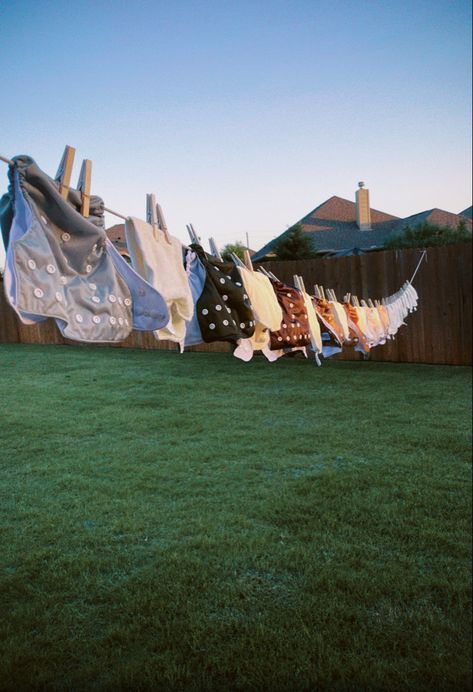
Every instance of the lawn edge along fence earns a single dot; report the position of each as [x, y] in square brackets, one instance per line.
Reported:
[438, 333]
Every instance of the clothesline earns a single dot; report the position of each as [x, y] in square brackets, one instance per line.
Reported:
[206, 300]
[121, 216]
[422, 257]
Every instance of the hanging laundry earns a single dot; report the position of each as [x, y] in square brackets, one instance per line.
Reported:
[375, 325]
[362, 344]
[267, 313]
[196, 277]
[223, 309]
[294, 328]
[61, 265]
[336, 330]
[160, 262]
[314, 326]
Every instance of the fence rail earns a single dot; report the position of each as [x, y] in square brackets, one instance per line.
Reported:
[439, 332]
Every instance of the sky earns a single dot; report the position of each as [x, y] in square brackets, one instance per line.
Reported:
[243, 115]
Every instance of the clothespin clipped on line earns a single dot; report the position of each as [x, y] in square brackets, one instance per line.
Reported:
[370, 303]
[236, 260]
[151, 215]
[214, 249]
[64, 172]
[162, 223]
[247, 260]
[192, 234]
[5, 160]
[83, 185]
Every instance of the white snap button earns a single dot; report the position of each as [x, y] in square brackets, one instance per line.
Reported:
[120, 320]
[211, 325]
[225, 322]
[96, 299]
[50, 268]
[31, 264]
[205, 311]
[58, 297]
[279, 338]
[112, 298]
[93, 286]
[79, 318]
[120, 301]
[127, 302]
[218, 307]
[112, 320]
[222, 281]
[288, 338]
[242, 325]
[237, 283]
[88, 268]
[291, 305]
[38, 293]
[65, 237]
[96, 319]
[284, 326]
[224, 297]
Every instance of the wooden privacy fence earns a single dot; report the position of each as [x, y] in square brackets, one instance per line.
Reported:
[439, 332]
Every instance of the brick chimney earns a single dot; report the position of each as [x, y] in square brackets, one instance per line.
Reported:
[363, 213]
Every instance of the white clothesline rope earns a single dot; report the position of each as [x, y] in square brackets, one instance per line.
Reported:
[424, 254]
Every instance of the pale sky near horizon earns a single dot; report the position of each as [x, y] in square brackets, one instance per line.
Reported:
[242, 116]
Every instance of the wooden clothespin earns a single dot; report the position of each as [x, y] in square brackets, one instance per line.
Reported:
[247, 260]
[236, 260]
[85, 181]
[370, 303]
[191, 233]
[162, 223]
[214, 249]
[151, 215]
[302, 284]
[64, 172]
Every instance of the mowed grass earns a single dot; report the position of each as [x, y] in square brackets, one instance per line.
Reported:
[191, 522]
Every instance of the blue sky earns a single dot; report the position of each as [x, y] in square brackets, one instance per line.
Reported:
[243, 115]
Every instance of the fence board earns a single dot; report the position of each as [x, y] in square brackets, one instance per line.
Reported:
[439, 332]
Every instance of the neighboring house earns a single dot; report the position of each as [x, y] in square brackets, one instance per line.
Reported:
[341, 227]
[467, 212]
[117, 236]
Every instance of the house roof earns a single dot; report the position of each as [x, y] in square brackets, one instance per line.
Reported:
[117, 235]
[467, 212]
[333, 228]
[437, 217]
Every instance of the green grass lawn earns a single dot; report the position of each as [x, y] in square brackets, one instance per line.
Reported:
[196, 523]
